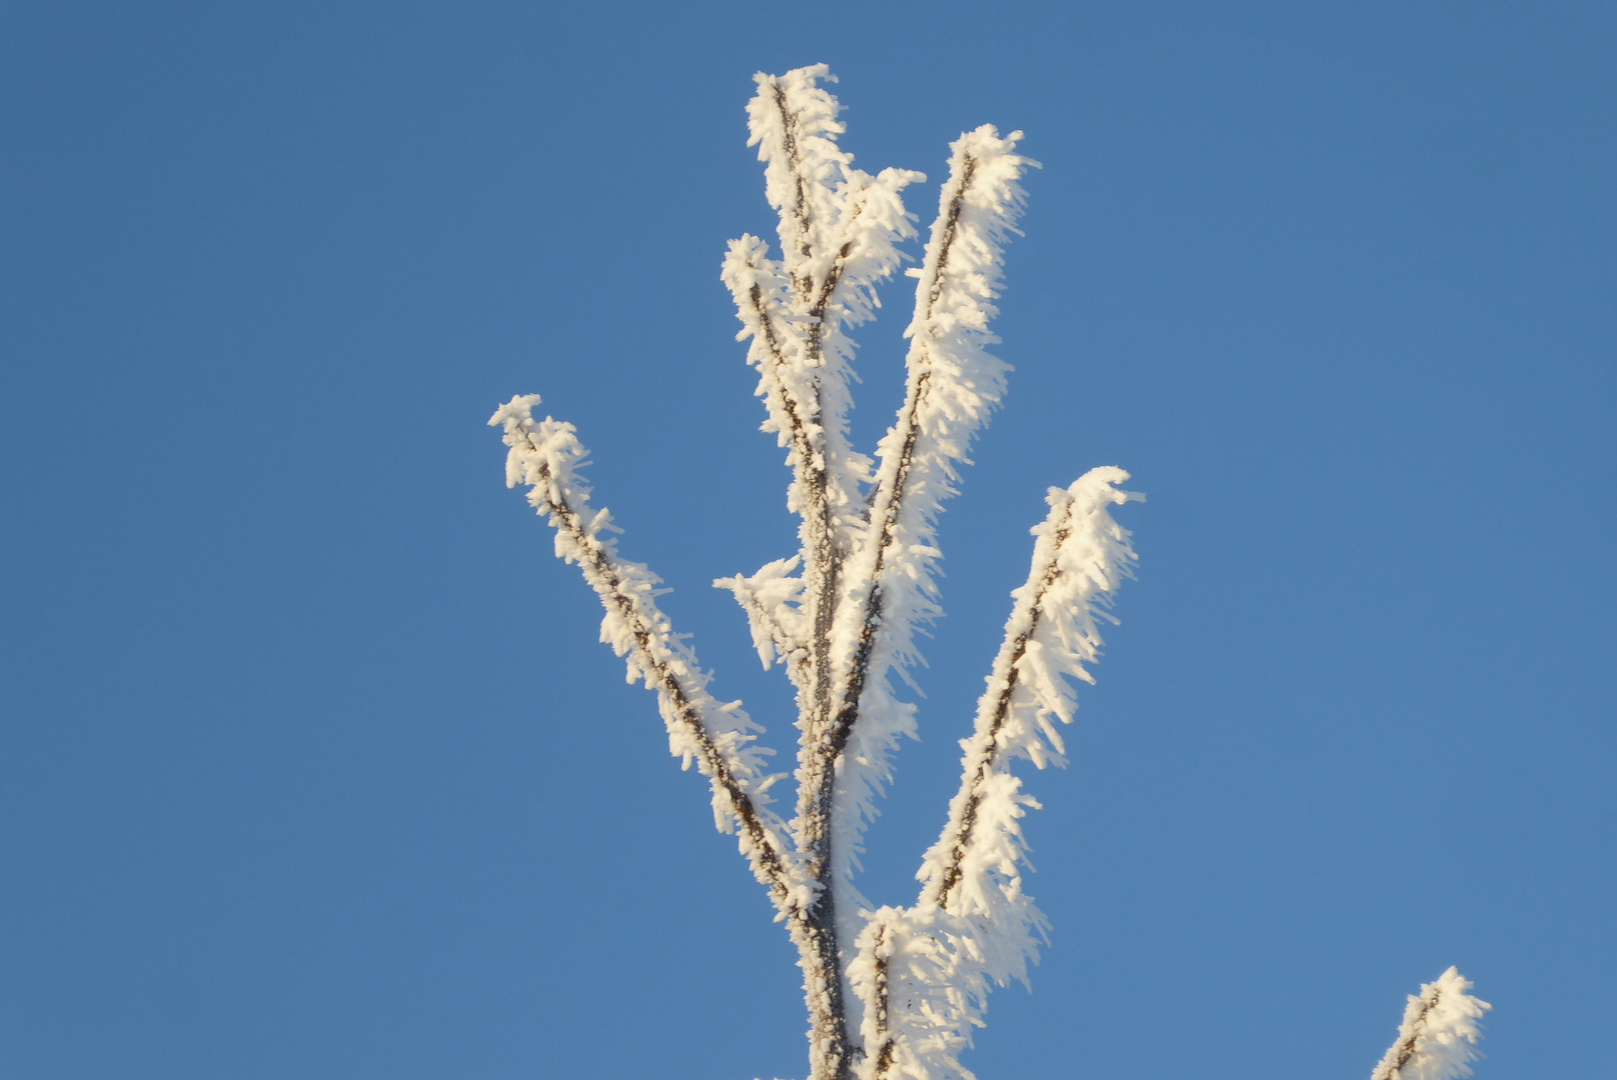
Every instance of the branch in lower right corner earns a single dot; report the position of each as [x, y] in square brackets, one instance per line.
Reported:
[1439, 1035]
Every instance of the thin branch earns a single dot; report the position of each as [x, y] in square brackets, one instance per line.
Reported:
[952, 384]
[793, 122]
[877, 950]
[545, 456]
[772, 599]
[838, 228]
[1438, 1037]
[1080, 558]
[758, 286]
[924, 973]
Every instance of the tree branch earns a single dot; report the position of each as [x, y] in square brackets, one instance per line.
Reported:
[1438, 1037]
[1080, 558]
[924, 973]
[838, 228]
[718, 737]
[952, 384]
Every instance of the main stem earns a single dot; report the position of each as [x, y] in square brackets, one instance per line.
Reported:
[831, 1057]
[819, 954]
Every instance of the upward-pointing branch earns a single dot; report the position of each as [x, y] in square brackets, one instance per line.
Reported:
[952, 384]
[1438, 1038]
[923, 974]
[1079, 560]
[793, 123]
[719, 738]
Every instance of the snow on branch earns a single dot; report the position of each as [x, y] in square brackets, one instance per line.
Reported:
[793, 122]
[837, 224]
[1438, 1038]
[720, 738]
[952, 384]
[1080, 558]
[838, 231]
[925, 972]
[772, 599]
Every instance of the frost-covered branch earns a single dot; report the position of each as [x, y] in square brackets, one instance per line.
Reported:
[952, 384]
[838, 230]
[924, 973]
[1438, 1038]
[772, 599]
[720, 738]
[1079, 560]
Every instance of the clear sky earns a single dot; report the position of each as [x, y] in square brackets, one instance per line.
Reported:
[311, 767]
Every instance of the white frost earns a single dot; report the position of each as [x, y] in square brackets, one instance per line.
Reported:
[952, 385]
[1439, 1035]
[925, 972]
[720, 738]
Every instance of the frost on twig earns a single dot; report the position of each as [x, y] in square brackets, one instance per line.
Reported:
[1438, 1038]
[952, 384]
[1080, 558]
[720, 738]
[925, 972]
[772, 599]
[545, 456]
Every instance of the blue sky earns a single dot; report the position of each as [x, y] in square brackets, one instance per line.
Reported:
[311, 766]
